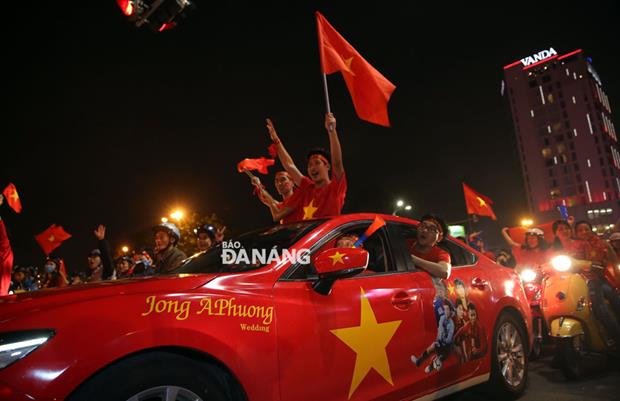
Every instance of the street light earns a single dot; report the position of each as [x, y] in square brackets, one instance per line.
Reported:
[400, 204]
[125, 249]
[164, 219]
[177, 215]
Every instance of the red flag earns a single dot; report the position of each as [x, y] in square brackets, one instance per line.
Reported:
[273, 150]
[369, 89]
[255, 164]
[51, 238]
[10, 193]
[477, 203]
[518, 233]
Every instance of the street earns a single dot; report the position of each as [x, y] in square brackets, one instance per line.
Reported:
[548, 384]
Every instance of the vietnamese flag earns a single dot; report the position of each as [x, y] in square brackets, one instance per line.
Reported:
[369, 89]
[477, 203]
[52, 238]
[10, 193]
[255, 164]
[518, 233]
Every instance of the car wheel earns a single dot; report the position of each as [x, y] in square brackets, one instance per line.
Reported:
[509, 361]
[156, 376]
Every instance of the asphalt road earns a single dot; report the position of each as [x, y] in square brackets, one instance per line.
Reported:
[548, 384]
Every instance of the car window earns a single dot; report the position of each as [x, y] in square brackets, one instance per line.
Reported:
[405, 235]
[250, 251]
[379, 255]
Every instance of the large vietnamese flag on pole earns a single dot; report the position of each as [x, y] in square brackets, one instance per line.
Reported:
[477, 203]
[369, 89]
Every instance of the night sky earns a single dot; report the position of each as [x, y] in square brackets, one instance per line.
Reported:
[108, 123]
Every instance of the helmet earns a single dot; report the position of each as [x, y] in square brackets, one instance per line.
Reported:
[206, 228]
[535, 231]
[170, 228]
[125, 258]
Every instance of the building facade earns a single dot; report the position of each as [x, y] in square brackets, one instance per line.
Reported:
[566, 140]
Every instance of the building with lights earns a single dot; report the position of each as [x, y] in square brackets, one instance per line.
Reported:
[566, 140]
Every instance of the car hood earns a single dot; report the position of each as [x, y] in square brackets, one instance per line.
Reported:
[37, 301]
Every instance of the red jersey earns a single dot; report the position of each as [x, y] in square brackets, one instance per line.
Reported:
[309, 201]
[436, 254]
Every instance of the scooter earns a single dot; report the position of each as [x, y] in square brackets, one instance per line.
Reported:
[566, 307]
[532, 284]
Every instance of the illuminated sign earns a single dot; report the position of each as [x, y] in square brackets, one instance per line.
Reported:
[457, 231]
[541, 55]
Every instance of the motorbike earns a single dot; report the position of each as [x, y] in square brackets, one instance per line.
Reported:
[532, 284]
[581, 340]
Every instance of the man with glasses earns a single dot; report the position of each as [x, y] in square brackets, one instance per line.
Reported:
[424, 251]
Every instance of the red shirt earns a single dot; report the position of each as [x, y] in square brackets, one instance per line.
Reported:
[436, 254]
[297, 213]
[309, 201]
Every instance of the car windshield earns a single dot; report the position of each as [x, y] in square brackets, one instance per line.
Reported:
[249, 251]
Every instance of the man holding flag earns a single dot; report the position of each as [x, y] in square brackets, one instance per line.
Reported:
[323, 192]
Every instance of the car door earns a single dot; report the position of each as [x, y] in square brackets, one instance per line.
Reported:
[455, 308]
[356, 342]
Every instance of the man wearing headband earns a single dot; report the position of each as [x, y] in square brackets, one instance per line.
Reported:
[424, 250]
[323, 192]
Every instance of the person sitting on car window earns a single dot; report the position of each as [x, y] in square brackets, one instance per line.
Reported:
[285, 187]
[424, 250]
[167, 256]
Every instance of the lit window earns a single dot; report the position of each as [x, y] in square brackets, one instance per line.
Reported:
[548, 128]
[567, 72]
[555, 160]
[574, 75]
[609, 211]
[604, 195]
[590, 124]
[532, 112]
[575, 131]
[589, 164]
[588, 191]
[574, 101]
[546, 152]
[542, 95]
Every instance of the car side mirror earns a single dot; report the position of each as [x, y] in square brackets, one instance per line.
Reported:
[338, 263]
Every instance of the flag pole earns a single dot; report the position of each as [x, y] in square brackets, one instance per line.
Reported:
[326, 93]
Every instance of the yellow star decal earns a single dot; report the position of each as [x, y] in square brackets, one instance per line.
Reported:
[482, 202]
[51, 238]
[451, 289]
[309, 210]
[337, 258]
[347, 62]
[368, 341]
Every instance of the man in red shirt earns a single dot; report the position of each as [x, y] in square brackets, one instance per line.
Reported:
[323, 192]
[285, 187]
[424, 250]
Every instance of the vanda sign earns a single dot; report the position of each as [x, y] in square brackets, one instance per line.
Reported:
[539, 56]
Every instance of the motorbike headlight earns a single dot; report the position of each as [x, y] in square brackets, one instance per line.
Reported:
[17, 344]
[528, 275]
[561, 263]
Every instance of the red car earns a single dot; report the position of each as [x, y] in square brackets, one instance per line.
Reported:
[276, 314]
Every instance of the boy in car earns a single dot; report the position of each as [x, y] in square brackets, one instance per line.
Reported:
[424, 251]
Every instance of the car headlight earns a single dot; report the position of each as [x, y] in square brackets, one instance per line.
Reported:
[561, 263]
[528, 275]
[17, 344]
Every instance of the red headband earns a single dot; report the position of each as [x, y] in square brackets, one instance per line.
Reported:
[320, 157]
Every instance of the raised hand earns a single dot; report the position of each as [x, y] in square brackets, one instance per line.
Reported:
[219, 234]
[330, 122]
[272, 132]
[100, 232]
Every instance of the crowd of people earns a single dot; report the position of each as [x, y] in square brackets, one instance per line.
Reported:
[322, 193]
